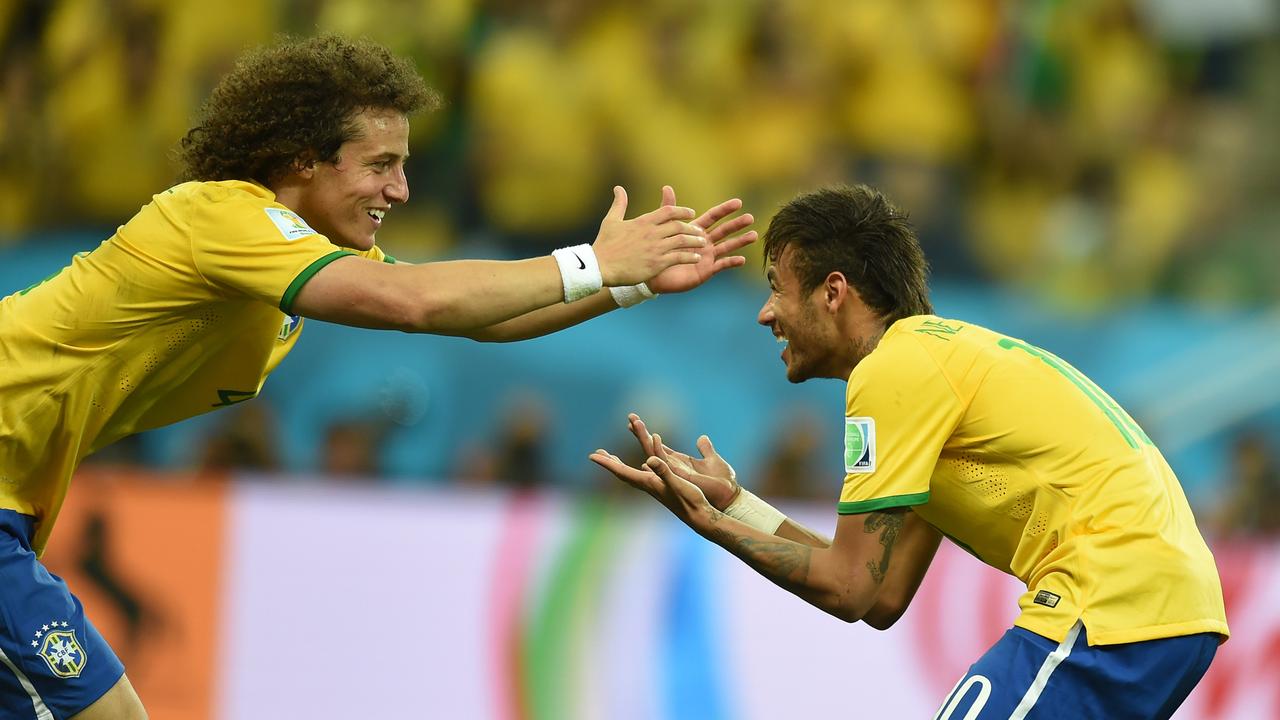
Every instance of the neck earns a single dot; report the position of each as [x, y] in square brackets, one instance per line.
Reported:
[287, 194]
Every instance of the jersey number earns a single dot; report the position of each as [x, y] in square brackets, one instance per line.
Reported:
[1118, 417]
[957, 695]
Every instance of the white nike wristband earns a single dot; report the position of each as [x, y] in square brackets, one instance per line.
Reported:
[579, 272]
[751, 510]
[629, 295]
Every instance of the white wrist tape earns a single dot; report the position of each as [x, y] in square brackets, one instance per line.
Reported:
[629, 295]
[579, 271]
[751, 510]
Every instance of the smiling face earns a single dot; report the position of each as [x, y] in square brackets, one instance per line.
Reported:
[826, 332]
[797, 321]
[346, 198]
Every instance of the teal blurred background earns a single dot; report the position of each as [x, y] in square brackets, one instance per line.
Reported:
[1096, 177]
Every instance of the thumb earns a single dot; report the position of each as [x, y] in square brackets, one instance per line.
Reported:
[705, 447]
[668, 195]
[660, 468]
[619, 207]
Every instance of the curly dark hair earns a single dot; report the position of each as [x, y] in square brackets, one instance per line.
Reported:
[293, 102]
[858, 232]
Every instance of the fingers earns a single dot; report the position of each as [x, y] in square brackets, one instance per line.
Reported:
[724, 247]
[668, 195]
[641, 432]
[680, 258]
[666, 213]
[671, 481]
[730, 227]
[719, 212]
[732, 261]
[664, 453]
[705, 447]
[679, 227]
[659, 450]
[618, 210]
[635, 477]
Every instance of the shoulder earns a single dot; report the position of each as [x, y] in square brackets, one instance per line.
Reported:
[242, 208]
[227, 199]
[912, 349]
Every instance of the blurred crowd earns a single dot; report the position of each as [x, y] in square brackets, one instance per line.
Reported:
[798, 463]
[1090, 152]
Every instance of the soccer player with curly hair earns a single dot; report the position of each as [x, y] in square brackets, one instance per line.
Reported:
[293, 168]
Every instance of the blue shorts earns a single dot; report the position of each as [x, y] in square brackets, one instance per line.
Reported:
[1025, 675]
[53, 662]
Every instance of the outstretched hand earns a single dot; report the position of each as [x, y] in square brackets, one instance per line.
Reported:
[723, 238]
[632, 251]
[711, 472]
[657, 478]
[710, 476]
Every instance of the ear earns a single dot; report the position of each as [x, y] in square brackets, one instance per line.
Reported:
[836, 291]
[304, 166]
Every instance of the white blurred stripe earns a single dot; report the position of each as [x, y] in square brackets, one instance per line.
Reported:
[1042, 678]
[37, 702]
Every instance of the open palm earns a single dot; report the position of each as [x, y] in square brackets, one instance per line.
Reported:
[711, 472]
[716, 256]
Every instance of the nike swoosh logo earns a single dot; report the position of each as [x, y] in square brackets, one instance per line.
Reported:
[581, 265]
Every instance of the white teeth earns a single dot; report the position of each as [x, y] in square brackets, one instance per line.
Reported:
[377, 214]
[781, 339]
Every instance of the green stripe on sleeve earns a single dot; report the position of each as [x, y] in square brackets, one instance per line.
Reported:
[290, 293]
[388, 259]
[894, 501]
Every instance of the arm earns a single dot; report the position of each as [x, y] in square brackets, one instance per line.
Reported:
[842, 579]
[902, 536]
[723, 236]
[461, 297]
[913, 554]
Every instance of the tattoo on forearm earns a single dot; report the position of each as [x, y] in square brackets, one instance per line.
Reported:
[889, 525]
[784, 562]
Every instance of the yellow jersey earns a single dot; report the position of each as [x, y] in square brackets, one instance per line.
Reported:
[1021, 460]
[184, 310]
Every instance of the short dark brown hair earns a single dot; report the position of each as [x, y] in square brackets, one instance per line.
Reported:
[858, 232]
[293, 102]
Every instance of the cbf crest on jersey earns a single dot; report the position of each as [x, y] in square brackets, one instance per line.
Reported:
[859, 445]
[288, 223]
[288, 327]
[60, 650]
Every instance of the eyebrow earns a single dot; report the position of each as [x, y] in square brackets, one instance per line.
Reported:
[387, 155]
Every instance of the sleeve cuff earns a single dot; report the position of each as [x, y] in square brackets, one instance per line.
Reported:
[290, 293]
[893, 501]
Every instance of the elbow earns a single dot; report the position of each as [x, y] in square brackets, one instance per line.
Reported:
[881, 620]
[872, 607]
[884, 612]
[846, 606]
[846, 614]
[433, 313]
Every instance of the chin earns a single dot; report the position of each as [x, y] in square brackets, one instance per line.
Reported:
[357, 243]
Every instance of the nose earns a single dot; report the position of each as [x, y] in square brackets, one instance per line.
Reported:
[765, 316]
[397, 190]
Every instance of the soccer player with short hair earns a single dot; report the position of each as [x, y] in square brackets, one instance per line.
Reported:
[298, 158]
[953, 429]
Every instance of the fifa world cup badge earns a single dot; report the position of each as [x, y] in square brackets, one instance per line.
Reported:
[859, 445]
[58, 647]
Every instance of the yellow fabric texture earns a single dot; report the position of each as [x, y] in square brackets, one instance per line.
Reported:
[1021, 460]
[175, 315]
